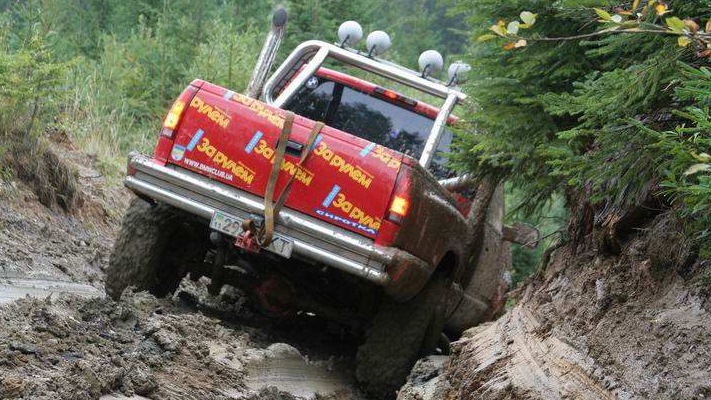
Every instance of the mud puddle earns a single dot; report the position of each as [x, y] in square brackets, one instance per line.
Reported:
[292, 373]
[12, 289]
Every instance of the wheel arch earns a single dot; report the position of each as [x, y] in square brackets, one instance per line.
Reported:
[447, 265]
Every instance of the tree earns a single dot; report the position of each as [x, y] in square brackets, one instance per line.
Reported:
[575, 116]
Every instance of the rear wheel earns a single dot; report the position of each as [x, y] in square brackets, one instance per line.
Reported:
[154, 249]
[399, 335]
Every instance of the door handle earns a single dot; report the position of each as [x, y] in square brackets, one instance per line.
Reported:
[294, 148]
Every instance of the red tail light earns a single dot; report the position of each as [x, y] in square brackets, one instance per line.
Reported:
[172, 120]
[399, 206]
[400, 200]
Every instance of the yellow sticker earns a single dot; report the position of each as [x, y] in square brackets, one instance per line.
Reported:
[354, 172]
[302, 174]
[260, 109]
[215, 114]
[386, 157]
[239, 170]
[356, 213]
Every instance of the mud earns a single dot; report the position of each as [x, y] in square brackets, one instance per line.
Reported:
[61, 338]
[293, 373]
[70, 347]
[634, 326]
[16, 288]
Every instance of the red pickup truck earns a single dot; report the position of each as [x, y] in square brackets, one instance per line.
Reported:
[344, 218]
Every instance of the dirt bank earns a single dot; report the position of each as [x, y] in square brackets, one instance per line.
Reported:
[592, 327]
[38, 242]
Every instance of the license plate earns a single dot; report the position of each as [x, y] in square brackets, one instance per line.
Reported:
[233, 226]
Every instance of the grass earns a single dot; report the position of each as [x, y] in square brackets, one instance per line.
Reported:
[99, 122]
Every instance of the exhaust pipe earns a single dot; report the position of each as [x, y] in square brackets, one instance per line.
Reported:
[269, 51]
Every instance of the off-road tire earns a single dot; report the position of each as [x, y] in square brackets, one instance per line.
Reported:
[400, 333]
[152, 249]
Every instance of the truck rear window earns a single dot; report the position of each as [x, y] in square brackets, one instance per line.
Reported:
[370, 118]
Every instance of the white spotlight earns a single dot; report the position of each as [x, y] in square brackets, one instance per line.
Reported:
[349, 33]
[430, 61]
[378, 42]
[457, 72]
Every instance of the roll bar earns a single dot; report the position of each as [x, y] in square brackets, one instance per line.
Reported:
[312, 54]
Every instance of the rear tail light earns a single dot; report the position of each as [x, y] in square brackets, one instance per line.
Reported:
[171, 121]
[400, 201]
[170, 125]
[399, 206]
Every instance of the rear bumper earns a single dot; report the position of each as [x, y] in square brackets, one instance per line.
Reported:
[314, 241]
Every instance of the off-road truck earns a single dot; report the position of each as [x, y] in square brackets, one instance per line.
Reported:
[321, 191]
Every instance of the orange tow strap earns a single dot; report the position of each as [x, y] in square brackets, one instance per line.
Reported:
[271, 210]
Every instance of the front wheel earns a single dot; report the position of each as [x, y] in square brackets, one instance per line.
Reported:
[153, 250]
[401, 333]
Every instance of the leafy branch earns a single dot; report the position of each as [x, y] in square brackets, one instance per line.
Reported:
[639, 19]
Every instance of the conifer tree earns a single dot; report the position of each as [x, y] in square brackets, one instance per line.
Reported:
[574, 116]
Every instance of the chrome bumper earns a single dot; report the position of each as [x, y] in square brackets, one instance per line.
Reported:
[314, 240]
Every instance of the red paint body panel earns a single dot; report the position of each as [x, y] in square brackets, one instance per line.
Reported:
[346, 180]
[162, 150]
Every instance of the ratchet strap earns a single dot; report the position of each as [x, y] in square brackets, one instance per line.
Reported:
[271, 209]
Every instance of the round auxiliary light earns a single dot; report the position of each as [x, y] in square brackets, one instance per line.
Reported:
[378, 42]
[457, 72]
[430, 61]
[349, 33]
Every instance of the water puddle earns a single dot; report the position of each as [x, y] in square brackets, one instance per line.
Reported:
[16, 288]
[297, 376]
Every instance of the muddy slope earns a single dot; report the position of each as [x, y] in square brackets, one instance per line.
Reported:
[61, 338]
[634, 326]
[47, 243]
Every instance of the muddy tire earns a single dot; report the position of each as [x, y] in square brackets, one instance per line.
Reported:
[153, 249]
[400, 333]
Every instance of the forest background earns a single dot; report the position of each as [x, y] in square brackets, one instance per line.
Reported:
[598, 123]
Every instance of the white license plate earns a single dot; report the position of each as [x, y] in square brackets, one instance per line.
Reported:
[233, 226]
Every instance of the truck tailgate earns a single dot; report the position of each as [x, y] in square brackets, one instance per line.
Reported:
[346, 180]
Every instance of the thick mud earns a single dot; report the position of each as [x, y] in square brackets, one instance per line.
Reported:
[61, 338]
[71, 347]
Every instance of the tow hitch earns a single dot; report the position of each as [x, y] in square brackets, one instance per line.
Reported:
[258, 232]
[248, 240]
